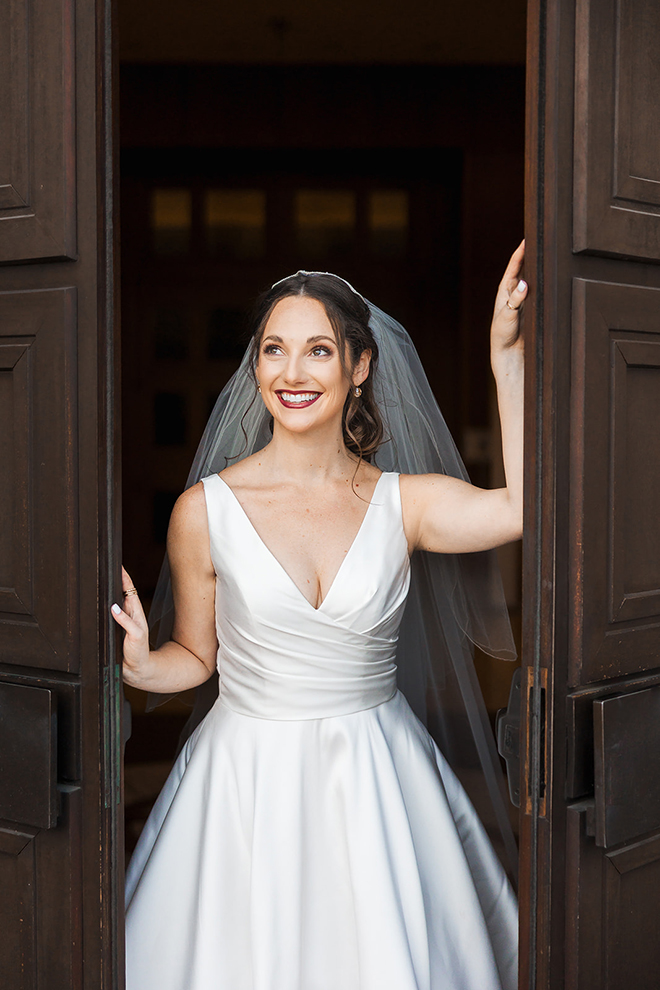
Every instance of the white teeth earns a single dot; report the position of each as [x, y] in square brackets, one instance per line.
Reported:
[298, 396]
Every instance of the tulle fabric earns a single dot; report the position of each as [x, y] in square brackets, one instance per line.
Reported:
[456, 601]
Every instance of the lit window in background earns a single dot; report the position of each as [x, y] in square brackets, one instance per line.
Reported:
[325, 221]
[235, 222]
[171, 220]
[388, 222]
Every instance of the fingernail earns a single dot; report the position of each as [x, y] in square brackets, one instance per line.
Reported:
[116, 609]
[522, 285]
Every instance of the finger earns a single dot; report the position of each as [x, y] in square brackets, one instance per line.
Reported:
[132, 603]
[517, 297]
[123, 619]
[515, 262]
[519, 251]
[133, 607]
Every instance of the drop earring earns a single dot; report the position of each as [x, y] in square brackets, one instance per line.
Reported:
[259, 387]
[357, 392]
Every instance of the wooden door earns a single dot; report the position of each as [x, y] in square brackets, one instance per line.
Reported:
[60, 862]
[590, 825]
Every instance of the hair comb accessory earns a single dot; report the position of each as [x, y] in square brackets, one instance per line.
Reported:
[330, 274]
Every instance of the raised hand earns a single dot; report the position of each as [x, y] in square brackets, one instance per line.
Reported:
[134, 623]
[511, 294]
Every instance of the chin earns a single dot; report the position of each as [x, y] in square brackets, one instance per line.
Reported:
[297, 422]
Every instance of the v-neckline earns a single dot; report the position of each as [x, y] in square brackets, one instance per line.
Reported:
[281, 566]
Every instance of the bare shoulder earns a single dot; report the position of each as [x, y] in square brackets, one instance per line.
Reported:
[189, 519]
[189, 548]
[191, 503]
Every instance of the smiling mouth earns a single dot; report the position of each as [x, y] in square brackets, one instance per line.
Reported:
[297, 400]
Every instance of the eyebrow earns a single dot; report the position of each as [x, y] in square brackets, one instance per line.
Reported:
[310, 340]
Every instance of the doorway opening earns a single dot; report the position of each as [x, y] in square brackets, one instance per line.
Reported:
[252, 149]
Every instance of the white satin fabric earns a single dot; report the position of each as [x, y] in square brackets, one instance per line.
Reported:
[311, 836]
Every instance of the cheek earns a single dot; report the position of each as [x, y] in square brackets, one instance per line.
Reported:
[336, 376]
[261, 370]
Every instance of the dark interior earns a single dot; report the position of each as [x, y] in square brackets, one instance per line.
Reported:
[394, 159]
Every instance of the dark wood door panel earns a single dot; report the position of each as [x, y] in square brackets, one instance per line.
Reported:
[28, 743]
[616, 138]
[627, 766]
[590, 850]
[615, 481]
[37, 151]
[38, 524]
[61, 850]
[581, 741]
[66, 695]
[611, 936]
[40, 875]
[17, 910]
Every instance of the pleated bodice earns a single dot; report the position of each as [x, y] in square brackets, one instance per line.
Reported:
[281, 658]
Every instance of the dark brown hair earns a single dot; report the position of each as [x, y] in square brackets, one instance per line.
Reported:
[348, 314]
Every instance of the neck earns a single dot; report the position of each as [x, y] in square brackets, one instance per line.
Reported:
[309, 458]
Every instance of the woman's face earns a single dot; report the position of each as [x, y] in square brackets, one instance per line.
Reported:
[303, 383]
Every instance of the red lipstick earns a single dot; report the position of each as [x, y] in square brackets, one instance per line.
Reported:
[297, 403]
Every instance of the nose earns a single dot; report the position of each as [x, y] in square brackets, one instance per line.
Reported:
[294, 371]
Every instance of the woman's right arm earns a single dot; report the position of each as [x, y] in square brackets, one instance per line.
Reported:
[189, 657]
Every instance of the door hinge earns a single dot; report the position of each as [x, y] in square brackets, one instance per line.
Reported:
[507, 727]
[536, 766]
[511, 732]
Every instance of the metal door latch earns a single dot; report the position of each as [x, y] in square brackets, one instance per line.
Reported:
[508, 736]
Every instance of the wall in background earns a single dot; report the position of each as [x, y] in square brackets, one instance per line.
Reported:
[279, 32]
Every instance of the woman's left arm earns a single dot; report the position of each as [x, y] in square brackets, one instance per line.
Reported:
[448, 515]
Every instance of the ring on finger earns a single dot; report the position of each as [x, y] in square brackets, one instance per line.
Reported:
[131, 591]
[514, 309]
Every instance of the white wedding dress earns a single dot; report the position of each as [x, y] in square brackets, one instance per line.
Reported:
[310, 835]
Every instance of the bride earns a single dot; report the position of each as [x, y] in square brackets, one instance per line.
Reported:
[311, 836]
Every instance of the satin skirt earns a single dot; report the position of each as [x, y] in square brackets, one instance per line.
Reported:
[337, 853]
